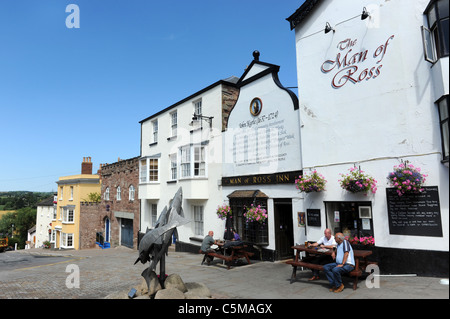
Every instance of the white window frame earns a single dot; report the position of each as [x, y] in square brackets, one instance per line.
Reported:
[119, 193]
[131, 193]
[107, 193]
[197, 107]
[68, 215]
[198, 212]
[193, 161]
[65, 237]
[153, 214]
[199, 160]
[173, 123]
[429, 47]
[173, 167]
[155, 131]
[147, 171]
[71, 193]
[143, 173]
[185, 162]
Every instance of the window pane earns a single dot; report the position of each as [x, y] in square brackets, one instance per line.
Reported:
[444, 43]
[445, 139]
[432, 16]
[443, 109]
[443, 9]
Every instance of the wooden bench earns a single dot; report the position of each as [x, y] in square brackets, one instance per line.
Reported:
[357, 272]
[237, 252]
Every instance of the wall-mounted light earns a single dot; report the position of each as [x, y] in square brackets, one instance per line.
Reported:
[197, 117]
[328, 28]
[364, 14]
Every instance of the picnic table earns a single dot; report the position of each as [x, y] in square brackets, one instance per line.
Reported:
[360, 261]
[235, 252]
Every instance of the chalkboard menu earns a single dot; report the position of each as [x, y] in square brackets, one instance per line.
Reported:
[313, 217]
[414, 214]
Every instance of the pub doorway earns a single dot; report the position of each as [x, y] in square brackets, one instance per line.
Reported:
[284, 232]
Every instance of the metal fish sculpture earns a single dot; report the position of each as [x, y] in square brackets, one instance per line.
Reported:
[155, 243]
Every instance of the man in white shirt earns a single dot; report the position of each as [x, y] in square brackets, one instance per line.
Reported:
[344, 263]
[327, 241]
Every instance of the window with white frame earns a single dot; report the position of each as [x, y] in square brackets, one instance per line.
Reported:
[131, 193]
[143, 170]
[155, 131]
[68, 214]
[198, 220]
[436, 35]
[54, 213]
[67, 240]
[53, 236]
[153, 170]
[198, 107]
[154, 214]
[149, 170]
[173, 166]
[199, 161]
[107, 193]
[71, 193]
[185, 161]
[193, 161]
[119, 193]
[173, 123]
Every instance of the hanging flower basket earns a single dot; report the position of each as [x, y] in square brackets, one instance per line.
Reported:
[311, 183]
[358, 182]
[223, 211]
[407, 179]
[255, 214]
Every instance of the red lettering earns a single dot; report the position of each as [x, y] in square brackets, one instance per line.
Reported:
[343, 79]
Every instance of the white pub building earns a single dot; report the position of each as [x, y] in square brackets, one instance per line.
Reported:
[236, 143]
[373, 80]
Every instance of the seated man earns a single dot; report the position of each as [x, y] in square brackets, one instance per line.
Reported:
[326, 241]
[208, 241]
[345, 263]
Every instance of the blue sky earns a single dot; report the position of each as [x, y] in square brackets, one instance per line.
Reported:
[70, 93]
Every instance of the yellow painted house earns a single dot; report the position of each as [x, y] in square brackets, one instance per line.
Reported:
[72, 190]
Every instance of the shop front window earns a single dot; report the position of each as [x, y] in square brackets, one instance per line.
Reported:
[353, 219]
[253, 232]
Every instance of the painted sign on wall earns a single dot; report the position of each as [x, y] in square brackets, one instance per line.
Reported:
[349, 66]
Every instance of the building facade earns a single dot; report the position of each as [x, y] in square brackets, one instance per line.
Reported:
[262, 159]
[120, 205]
[72, 190]
[373, 85]
[45, 214]
[181, 146]
[234, 143]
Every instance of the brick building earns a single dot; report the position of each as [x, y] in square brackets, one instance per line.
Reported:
[116, 217]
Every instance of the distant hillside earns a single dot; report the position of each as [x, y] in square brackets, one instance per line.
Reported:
[19, 199]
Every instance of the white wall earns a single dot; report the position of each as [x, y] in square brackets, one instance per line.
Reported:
[377, 121]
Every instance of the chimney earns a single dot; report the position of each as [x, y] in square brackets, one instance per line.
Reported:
[86, 166]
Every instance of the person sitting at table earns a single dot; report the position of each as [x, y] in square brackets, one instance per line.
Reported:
[205, 248]
[344, 263]
[236, 236]
[207, 242]
[327, 241]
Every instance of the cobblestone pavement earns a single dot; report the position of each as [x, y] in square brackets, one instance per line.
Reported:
[111, 272]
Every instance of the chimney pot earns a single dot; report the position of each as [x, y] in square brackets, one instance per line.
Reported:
[86, 166]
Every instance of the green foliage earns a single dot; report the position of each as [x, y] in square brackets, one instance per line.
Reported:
[94, 198]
